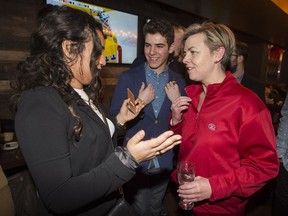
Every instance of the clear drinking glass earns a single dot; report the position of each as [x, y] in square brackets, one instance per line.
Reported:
[185, 173]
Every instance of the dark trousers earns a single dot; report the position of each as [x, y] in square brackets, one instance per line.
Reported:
[146, 193]
[280, 204]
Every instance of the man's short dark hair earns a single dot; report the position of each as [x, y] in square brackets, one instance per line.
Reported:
[162, 27]
[241, 48]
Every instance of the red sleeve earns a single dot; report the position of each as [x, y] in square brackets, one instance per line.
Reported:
[177, 129]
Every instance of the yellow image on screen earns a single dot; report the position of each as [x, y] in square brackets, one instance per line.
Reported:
[112, 50]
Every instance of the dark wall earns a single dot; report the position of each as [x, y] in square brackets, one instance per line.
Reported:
[284, 68]
[259, 18]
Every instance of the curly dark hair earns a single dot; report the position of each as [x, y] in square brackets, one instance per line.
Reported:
[47, 65]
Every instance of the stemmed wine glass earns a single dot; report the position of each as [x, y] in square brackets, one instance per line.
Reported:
[185, 174]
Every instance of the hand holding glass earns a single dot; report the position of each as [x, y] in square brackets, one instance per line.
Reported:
[185, 174]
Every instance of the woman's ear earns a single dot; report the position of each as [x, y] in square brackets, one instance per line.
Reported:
[218, 54]
[66, 47]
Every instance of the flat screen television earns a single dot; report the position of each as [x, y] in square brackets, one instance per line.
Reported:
[119, 27]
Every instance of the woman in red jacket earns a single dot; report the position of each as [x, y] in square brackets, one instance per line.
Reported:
[226, 129]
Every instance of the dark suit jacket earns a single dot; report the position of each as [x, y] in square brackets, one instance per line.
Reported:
[254, 85]
[78, 178]
[146, 120]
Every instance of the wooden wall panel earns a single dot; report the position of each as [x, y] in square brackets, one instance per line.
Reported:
[18, 20]
[4, 106]
[8, 63]
[5, 94]
[9, 55]
[110, 76]
[8, 70]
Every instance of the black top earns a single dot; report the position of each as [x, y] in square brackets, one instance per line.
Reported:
[254, 85]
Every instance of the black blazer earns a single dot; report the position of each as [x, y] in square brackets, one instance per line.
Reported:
[72, 178]
[254, 85]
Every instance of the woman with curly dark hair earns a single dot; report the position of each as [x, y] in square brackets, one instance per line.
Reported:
[67, 139]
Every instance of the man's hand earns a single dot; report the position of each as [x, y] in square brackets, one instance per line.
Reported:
[146, 95]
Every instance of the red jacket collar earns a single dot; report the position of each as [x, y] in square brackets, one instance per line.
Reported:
[212, 89]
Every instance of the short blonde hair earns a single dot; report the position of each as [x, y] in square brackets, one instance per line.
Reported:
[217, 35]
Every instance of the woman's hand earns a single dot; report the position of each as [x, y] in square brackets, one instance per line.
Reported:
[178, 106]
[146, 94]
[148, 149]
[195, 191]
[172, 90]
[125, 114]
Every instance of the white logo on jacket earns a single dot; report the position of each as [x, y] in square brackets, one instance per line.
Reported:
[211, 126]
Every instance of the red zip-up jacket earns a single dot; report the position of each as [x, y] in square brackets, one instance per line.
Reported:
[231, 142]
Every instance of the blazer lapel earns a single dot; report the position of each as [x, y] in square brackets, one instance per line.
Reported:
[88, 110]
